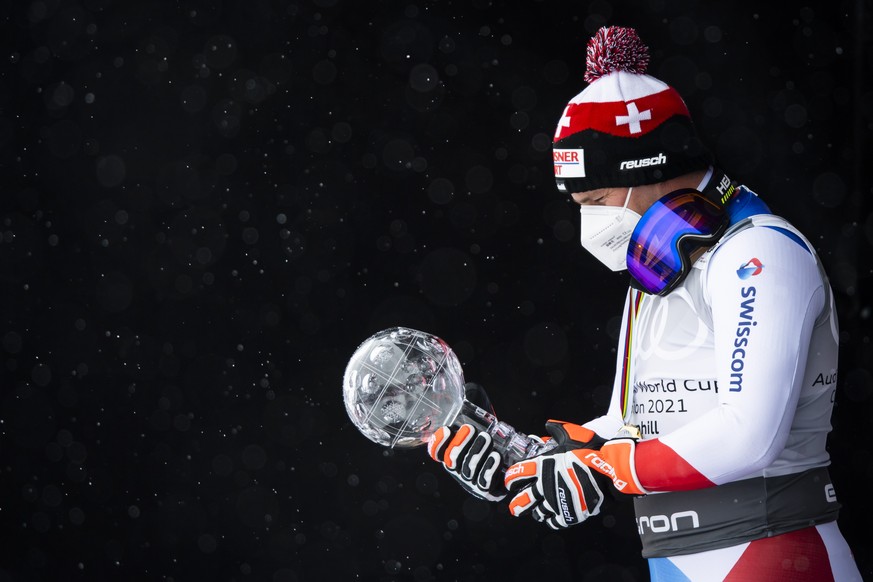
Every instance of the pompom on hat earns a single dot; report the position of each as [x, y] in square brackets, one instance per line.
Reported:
[626, 128]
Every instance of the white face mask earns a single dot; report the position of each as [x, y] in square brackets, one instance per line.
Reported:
[606, 231]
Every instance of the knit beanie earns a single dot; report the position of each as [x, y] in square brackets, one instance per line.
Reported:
[626, 128]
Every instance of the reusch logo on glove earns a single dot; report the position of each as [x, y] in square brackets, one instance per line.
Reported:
[521, 469]
[569, 517]
[515, 470]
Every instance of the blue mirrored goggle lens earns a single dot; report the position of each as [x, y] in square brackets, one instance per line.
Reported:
[654, 256]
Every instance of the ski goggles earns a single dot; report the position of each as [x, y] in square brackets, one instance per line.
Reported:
[676, 225]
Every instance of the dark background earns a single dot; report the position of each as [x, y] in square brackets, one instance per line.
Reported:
[207, 205]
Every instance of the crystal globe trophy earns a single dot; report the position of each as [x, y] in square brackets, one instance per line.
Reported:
[401, 385]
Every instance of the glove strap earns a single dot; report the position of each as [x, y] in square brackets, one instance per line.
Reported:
[615, 459]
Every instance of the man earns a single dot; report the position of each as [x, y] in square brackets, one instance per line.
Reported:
[726, 372]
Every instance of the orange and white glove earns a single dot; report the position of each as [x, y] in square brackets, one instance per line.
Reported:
[615, 459]
[557, 487]
[469, 456]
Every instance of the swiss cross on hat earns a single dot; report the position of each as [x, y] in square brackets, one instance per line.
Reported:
[620, 99]
[623, 118]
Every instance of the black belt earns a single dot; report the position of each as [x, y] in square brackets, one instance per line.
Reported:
[687, 522]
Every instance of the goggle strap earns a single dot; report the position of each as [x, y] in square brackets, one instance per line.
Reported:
[720, 189]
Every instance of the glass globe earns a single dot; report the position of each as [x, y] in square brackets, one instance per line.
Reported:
[402, 384]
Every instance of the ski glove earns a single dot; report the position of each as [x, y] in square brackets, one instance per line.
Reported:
[557, 488]
[615, 459]
[469, 457]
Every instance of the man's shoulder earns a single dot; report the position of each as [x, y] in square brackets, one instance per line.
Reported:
[760, 243]
[761, 232]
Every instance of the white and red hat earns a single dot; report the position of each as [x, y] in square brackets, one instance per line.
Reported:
[626, 128]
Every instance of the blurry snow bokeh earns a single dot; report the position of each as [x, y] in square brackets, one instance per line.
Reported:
[207, 206]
